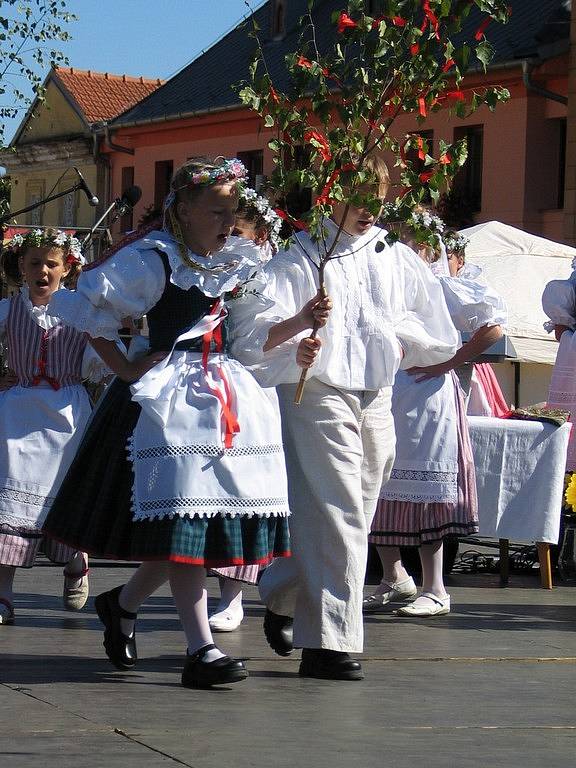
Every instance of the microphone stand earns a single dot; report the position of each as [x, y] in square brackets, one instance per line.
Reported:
[87, 239]
[5, 219]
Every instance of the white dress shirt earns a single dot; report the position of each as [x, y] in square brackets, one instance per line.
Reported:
[388, 311]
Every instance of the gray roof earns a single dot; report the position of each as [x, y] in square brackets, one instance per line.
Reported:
[536, 27]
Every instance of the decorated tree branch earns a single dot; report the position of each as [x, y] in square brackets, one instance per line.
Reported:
[347, 88]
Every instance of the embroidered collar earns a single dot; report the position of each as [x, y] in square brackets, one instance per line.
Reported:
[238, 260]
[348, 242]
[39, 313]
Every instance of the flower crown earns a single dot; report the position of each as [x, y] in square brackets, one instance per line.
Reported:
[228, 170]
[455, 242]
[252, 199]
[39, 238]
[426, 227]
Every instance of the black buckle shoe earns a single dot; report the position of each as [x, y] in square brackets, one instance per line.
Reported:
[120, 648]
[329, 665]
[279, 632]
[198, 673]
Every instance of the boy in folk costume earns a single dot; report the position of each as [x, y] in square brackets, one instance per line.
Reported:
[388, 310]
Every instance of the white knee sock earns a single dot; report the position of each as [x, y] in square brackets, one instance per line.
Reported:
[188, 584]
[431, 557]
[230, 594]
[146, 580]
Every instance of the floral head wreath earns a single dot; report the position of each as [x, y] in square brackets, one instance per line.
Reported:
[39, 238]
[251, 198]
[228, 170]
[455, 242]
[425, 227]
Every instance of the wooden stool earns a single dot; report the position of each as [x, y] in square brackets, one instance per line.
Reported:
[543, 559]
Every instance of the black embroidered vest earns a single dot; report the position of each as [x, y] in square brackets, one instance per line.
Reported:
[176, 312]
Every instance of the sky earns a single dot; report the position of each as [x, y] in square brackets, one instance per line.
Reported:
[152, 38]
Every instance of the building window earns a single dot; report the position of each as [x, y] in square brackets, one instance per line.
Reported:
[278, 25]
[468, 180]
[162, 176]
[68, 206]
[127, 221]
[34, 193]
[254, 163]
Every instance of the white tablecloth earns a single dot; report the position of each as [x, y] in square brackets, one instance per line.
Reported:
[520, 469]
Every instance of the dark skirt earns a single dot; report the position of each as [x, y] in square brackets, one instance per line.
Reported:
[92, 511]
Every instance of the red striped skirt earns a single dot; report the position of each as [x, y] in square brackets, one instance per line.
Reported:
[403, 523]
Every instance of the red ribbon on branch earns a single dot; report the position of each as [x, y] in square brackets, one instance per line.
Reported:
[320, 139]
[345, 22]
[479, 34]
[323, 198]
[431, 17]
[307, 64]
[296, 223]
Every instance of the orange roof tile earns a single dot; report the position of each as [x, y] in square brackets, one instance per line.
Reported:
[102, 96]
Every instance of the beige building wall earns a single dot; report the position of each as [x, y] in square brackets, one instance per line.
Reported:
[53, 118]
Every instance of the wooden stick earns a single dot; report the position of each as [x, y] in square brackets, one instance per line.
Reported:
[304, 374]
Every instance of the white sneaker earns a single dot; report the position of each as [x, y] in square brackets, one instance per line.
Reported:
[426, 605]
[399, 592]
[227, 620]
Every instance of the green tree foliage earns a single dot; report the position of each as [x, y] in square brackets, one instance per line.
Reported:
[342, 101]
[28, 31]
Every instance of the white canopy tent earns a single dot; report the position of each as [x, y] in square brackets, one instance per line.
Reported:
[518, 265]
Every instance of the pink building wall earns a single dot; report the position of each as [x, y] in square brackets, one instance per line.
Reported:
[520, 159]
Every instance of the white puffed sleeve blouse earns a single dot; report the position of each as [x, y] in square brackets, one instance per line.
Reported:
[471, 302]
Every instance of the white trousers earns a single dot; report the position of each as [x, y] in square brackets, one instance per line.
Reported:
[339, 449]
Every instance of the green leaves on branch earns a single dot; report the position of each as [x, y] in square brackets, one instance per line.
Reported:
[27, 27]
[343, 99]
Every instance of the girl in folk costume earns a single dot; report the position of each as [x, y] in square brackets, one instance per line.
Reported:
[183, 470]
[559, 304]
[43, 415]
[257, 221]
[432, 488]
[478, 380]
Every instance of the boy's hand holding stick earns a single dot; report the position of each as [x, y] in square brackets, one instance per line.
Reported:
[318, 310]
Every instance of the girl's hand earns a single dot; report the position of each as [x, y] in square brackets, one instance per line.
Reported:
[315, 312]
[559, 330]
[429, 371]
[135, 369]
[307, 352]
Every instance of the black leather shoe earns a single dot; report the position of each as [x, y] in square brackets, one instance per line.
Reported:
[278, 631]
[120, 648]
[329, 665]
[204, 674]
